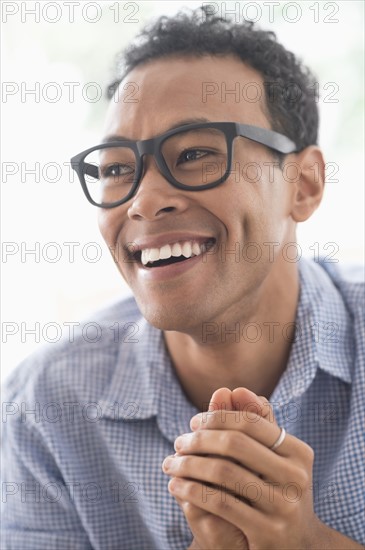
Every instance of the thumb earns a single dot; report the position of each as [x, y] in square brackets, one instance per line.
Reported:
[246, 400]
[221, 400]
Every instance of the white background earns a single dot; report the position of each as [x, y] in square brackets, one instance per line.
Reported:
[35, 129]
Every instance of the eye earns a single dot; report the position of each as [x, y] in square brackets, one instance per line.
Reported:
[191, 155]
[117, 170]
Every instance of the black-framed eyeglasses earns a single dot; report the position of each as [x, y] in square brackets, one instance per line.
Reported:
[192, 157]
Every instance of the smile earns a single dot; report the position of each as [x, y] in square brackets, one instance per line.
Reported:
[163, 256]
[173, 253]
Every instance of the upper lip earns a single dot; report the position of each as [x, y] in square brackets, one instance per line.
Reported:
[158, 241]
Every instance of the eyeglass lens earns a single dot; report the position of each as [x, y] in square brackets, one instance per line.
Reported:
[194, 157]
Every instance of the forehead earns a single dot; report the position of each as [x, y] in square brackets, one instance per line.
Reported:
[157, 94]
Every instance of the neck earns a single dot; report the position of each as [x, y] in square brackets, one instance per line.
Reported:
[251, 351]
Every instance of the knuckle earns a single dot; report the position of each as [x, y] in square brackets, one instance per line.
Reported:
[209, 419]
[224, 507]
[196, 440]
[211, 528]
[304, 478]
[189, 489]
[308, 453]
[289, 474]
[252, 415]
[278, 528]
[184, 463]
[225, 440]
[188, 509]
[299, 476]
[221, 470]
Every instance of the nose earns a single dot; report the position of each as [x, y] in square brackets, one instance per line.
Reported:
[155, 196]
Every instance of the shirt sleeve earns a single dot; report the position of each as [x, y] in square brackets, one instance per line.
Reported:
[37, 508]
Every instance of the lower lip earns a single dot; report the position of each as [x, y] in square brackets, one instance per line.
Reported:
[168, 271]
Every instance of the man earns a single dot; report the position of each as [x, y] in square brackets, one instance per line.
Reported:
[199, 196]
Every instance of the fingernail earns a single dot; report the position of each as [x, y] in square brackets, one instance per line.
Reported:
[179, 443]
[167, 463]
[195, 422]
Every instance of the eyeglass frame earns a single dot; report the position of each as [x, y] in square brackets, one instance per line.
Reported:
[152, 146]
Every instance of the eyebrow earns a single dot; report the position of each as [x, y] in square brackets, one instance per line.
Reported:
[184, 122]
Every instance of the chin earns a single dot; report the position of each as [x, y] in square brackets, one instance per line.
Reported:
[177, 317]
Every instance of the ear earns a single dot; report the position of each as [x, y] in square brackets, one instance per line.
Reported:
[309, 183]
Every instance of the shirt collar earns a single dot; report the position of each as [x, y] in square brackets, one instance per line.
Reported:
[144, 384]
[131, 393]
[324, 337]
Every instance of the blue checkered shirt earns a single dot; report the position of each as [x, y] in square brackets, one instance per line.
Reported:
[88, 421]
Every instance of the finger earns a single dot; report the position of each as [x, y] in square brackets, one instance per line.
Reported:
[246, 400]
[237, 447]
[227, 477]
[251, 424]
[225, 506]
[192, 513]
[267, 409]
[210, 531]
[221, 400]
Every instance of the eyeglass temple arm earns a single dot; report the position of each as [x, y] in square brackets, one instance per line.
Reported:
[267, 137]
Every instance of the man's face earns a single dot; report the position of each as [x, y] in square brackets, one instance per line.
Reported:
[244, 209]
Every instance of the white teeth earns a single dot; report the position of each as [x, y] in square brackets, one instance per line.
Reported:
[165, 252]
[176, 250]
[187, 249]
[154, 254]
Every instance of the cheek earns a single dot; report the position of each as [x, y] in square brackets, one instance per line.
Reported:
[258, 207]
[109, 225]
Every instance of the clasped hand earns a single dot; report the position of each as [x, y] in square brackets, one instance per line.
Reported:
[234, 490]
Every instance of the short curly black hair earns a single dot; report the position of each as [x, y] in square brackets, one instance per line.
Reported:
[289, 86]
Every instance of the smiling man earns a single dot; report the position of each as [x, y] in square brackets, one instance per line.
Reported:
[200, 181]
